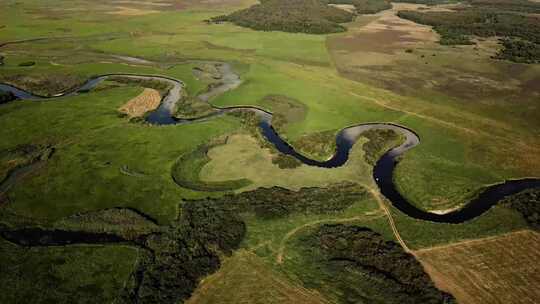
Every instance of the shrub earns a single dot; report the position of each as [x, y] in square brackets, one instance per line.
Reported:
[518, 50]
[278, 202]
[528, 204]
[27, 63]
[6, 97]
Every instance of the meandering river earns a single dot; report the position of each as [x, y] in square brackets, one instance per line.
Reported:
[345, 139]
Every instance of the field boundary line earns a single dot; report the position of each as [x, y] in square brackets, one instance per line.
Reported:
[479, 240]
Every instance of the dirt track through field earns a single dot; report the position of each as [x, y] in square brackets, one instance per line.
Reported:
[386, 212]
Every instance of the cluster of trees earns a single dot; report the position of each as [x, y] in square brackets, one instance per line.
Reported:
[27, 63]
[349, 254]
[6, 97]
[278, 202]
[379, 142]
[524, 6]
[504, 18]
[297, 16]
[519, 50]
[301, 16]
[182, 255]
[528, 204]
[479, 22]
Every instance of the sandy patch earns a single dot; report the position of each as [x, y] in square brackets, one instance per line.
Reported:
[147, 101]
[501, 269]
[143, 3]
[445, 211]
[346, 7]
[376, 40]
[389, 21]
[129, 11]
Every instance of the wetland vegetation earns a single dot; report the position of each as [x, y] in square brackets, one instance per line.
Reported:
[98, 207]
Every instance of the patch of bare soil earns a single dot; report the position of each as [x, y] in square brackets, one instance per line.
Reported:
[501, 269]
[213, 4]
[148, 100]
[378, 41]
[142, 3]
[130, 11]
[346, 7]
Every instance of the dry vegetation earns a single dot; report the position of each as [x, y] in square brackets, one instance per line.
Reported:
[245, 278]
[501, 269]
[148, 100]
[129, 11]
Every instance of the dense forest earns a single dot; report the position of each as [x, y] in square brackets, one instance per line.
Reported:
[516, 21]
[279, 202]
[301, 16]
[360, 266]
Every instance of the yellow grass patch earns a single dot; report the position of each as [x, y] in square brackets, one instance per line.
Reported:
[242, 157]
[346, 7]
[129, 11]
[245, 278]
[503, 269]
[147, 101]
[139, 2]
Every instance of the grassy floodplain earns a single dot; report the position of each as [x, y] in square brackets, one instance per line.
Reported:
[478, 120]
